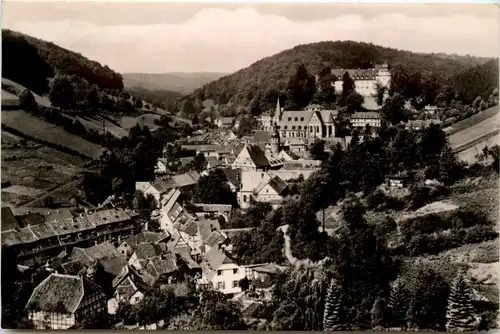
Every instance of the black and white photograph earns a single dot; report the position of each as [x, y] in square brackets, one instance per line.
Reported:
[259, 166]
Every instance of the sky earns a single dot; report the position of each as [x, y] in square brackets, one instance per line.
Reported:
[194, 37]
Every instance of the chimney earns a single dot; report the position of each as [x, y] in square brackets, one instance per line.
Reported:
[48, 212]
[58, 211]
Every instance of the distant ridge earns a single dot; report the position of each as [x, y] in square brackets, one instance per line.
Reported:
[181, 82]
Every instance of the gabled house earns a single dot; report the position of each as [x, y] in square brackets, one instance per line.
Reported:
[170, 209]
[129, 245]
[224, 122]
[184, 182]
[271, 190]
[156, 188]
[251, 158]
[126, 291]
[222, 273]
[61, 301]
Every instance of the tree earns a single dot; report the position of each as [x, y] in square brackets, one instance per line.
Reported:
[379, 313]
[317, 149]
[398, 302]
[379, 94]
[244, 283]
[117, 186]
[354, 101]
[460, 312]
[363, 262]
[62, 94]
[138, 104]
[331, 317]
[195, 120]
[348, 85]
[27, 101]
[213, 189]
[325, 90]
[448, 166]
[93, 99]
[300, 89]
[393, 109]
[48, 201]
[199, 162]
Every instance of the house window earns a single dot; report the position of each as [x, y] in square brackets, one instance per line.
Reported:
[302, 119]
[220, 285]
[219, 272]
[300, 127]
[293, 127]
[235, 271]
[137, 299]
[235, 284]
[289, 119]
[285, 127]
[244, 198]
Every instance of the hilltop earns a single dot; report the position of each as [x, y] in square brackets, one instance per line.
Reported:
[30, 62]
[183, 83]
[268, 77]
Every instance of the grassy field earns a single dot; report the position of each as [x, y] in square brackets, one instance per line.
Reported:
[34, 170]
[473, 120]
[475, 131]
[128, 122]
[469, 155]
[39, 129]
[96, 123]
[18, 89]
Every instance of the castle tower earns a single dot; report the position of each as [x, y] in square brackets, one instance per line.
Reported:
[383, 75]
[275, 140]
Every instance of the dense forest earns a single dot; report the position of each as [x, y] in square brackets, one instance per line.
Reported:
[264, 80]
[157, 97]
[31, 61]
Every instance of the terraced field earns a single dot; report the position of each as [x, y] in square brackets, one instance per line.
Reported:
[35, 128]
[35, 170]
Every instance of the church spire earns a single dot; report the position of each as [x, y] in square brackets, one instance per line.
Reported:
[278, 108]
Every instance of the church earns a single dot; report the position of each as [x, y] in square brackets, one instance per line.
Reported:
[310, 123]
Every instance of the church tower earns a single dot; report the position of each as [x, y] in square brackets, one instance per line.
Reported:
[275, 140]
[277, 113]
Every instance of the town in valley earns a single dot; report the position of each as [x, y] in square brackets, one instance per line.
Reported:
[334, 186]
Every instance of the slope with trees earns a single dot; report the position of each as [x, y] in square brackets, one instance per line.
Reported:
[268, 78]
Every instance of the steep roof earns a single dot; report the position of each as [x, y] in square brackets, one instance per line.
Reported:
[145, 237]
[102, 251]
[147, 251]
[74, 267]
[232, 175]
[114, 265]
[233, 232]
[251, 179]
[9, 221]
[57, 293]
[190, 228]
[215, 258]
[206, 226]
[295, 118]
[215, 238]
[261, 136]
[257, 155]
[159, 186]
[357, 74]
[328, 115]
[277, 184]
[226, 120]
[183, 180]
[126, 289]
[365, 115]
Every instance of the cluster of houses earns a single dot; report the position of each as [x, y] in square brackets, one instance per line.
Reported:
[190, 251]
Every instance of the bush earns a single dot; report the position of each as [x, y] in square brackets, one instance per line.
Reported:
[479, 233]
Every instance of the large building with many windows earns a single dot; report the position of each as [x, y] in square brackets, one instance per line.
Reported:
[365, 80]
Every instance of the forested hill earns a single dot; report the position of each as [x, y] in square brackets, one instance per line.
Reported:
[262, 80]
[30, 61]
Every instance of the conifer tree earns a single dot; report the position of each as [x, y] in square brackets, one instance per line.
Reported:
[331, 315]
[398, 302]
[460, 311]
